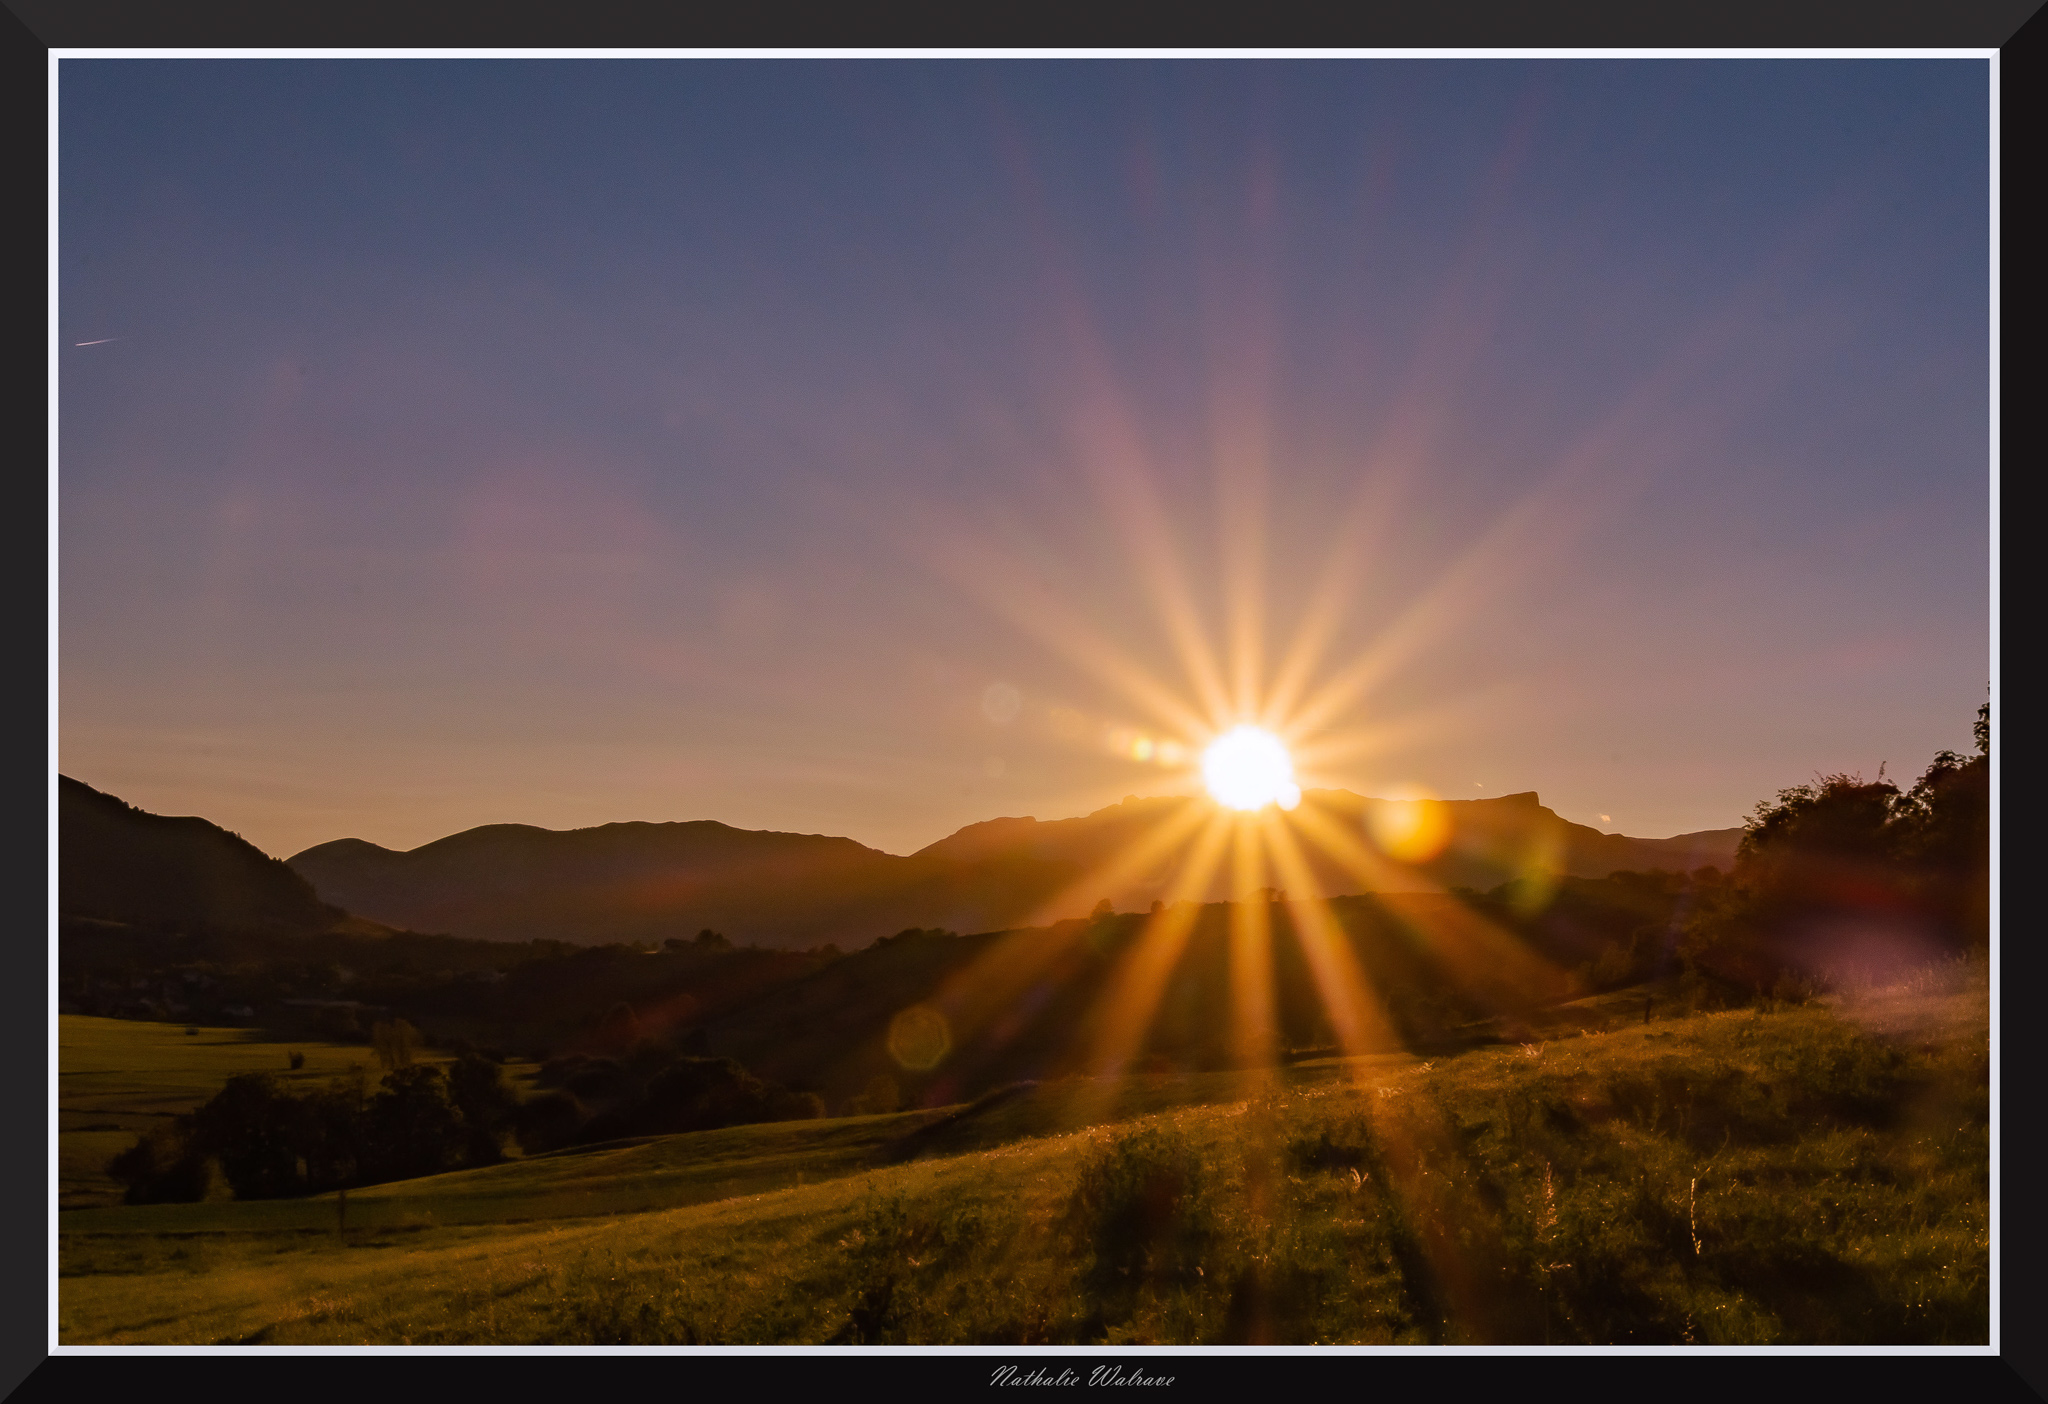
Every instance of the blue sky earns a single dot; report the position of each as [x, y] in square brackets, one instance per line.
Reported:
[570, 441]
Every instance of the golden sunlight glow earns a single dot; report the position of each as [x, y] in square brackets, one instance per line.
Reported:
[1296, 972]
[1412, 830]
[1248, 768]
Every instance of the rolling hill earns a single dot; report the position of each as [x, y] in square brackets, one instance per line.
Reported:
[652, 881]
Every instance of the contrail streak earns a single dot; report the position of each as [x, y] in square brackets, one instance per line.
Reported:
[101, 342]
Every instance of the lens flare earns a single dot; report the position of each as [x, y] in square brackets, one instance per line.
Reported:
[1411, 830]
[1247, 768]
[919, 1038]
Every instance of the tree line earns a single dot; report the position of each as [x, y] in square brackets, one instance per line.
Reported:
[1845, 870]
[265, 1141]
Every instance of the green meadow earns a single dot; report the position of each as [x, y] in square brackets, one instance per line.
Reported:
[1793, 1173]
[118, 1077]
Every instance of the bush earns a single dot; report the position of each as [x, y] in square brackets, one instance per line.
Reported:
[879, 1097]
[164, 1167]
[548, 1122]
[396, 1042]
[486, 1101]
[1141, 1209]
[895, 1244]
[598, 1080]
[697, 1094]
[796, 1106]
[1331, 1144]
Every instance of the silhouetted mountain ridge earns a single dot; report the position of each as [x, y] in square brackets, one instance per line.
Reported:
[650, 881]
[119, 863]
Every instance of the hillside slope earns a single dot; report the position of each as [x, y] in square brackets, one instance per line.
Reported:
[646, 881]
[649, 882]
[1793, 1176]
[122, 864]
[1484, 842]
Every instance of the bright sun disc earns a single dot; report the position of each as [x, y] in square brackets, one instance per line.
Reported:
[1247, 768]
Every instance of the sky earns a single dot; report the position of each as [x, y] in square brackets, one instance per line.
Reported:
[872, 447]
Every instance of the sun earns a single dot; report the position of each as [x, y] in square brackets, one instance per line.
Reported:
[1247, 767]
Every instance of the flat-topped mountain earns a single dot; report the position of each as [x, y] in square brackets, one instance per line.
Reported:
[652, 881]
[1483, 842]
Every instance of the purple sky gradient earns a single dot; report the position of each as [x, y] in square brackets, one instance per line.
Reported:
[562, 442]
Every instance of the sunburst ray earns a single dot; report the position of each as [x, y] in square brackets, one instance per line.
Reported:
[1123, 1015]
[1481, 958]
[1356, 1014]
[1254, 1027]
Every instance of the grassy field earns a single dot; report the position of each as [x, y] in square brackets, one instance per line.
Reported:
[1813, 1173]
[118, 1077]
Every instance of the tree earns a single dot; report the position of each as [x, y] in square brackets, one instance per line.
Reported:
[486, 1101]
[1944, 837]
[695, 1094]
[1843, 847]
[396, 1042]
[333, 1131]
[256, 1131]
[411, 1128]
[163, 1166]
[1838, 818]
[547, 1122]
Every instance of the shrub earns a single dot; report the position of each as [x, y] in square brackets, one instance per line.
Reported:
[694, 1094]
[396, 1042]
[1334, 1144]
[163, 1166]
[548, 1122]
[1140, 1207]
[486, 1101]
[556, 1072]
[598, 1080]
[880, 1096]
[896, 1245]
[785, 1105]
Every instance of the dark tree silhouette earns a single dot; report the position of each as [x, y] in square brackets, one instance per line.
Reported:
[1843, 847]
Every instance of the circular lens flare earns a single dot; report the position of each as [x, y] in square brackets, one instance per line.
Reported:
[1247, 768]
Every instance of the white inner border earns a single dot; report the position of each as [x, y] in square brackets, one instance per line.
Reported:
[1022, 1353]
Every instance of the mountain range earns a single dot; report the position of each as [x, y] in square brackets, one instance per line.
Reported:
[640, 882]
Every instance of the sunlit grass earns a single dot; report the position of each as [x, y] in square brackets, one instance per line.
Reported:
[1744, 1176]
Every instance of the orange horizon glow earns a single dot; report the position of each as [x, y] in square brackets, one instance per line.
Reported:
[1251, 727]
